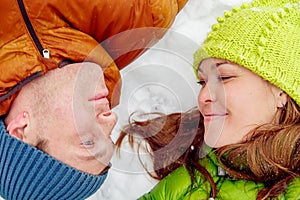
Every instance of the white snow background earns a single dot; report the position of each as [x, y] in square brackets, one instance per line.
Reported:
[161, 80]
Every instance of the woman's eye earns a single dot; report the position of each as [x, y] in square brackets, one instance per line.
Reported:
[224, 78]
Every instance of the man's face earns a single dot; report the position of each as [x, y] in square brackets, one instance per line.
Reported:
[79, 122]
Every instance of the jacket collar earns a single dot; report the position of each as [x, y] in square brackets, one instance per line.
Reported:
[28, 173]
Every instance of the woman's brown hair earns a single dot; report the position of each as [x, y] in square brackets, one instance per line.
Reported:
[270, 154]
[175, 140]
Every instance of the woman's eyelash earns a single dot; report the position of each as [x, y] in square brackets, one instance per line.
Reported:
[224, 77]
[220, 78]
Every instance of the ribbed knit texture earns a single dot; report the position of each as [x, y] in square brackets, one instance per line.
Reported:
[263, 36]
[28, 173]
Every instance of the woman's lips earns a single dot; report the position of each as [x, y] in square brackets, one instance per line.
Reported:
[213, 116]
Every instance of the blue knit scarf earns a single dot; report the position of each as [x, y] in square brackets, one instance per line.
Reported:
[28, 173]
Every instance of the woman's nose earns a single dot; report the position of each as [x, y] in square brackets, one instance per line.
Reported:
[207, 94]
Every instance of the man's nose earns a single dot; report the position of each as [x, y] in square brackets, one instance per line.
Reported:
[107, 121]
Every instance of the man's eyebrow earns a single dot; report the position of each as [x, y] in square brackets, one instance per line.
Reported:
[214, 65]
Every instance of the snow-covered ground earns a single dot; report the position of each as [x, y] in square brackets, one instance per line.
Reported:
[161, 80]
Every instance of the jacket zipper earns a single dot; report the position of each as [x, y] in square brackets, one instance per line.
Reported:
[44, 52]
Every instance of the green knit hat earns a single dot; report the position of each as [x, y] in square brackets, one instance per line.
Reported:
[263, 36]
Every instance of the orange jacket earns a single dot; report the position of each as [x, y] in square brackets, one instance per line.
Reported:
[76, 30]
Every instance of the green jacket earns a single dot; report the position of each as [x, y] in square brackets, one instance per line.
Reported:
[177, 185]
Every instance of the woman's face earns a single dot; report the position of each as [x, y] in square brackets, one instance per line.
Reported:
[233, 101]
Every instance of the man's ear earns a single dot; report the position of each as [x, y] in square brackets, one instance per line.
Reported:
[16, 127]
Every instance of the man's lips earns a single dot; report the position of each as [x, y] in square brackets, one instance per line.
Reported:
[100, 96]
[101, 104]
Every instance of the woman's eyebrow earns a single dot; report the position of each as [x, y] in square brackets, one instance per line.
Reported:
[214, 65]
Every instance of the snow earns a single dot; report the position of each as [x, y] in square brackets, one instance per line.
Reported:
[161, 80]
